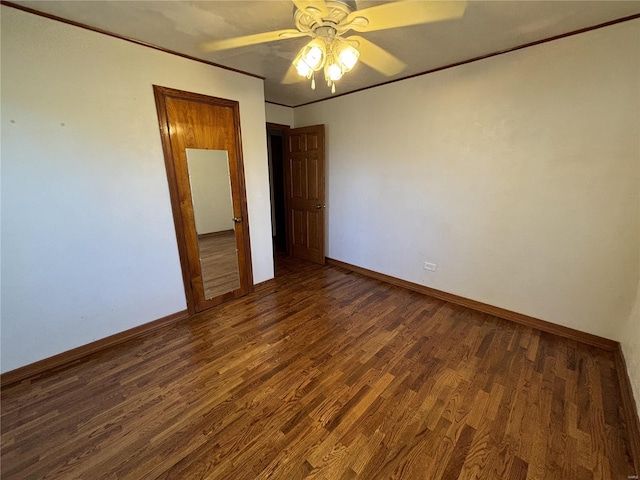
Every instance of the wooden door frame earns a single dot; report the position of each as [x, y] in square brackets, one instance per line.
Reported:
[161, 94]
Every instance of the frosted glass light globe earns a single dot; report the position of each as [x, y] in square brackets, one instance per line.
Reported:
[334, 72]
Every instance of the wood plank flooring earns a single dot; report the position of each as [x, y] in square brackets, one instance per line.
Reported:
[219, 263]
[325, 374]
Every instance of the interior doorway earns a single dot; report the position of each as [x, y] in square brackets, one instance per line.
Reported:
[297, 184]
[276, 138]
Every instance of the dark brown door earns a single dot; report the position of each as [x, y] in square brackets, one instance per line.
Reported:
[204, 131]
[305, 193]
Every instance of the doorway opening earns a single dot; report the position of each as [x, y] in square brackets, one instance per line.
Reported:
[276, 137]
[297, 183]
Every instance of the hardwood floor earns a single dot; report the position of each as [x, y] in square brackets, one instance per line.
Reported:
[219, 263]
[325, 374]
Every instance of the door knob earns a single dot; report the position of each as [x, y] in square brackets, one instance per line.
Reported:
[320, 206]
[237, 219]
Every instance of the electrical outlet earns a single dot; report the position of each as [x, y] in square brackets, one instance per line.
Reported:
[430, 266]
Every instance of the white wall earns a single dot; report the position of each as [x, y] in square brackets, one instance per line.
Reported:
[210, 190]
[630, 341]
[279, 114]
[88, 243]
[517, 175]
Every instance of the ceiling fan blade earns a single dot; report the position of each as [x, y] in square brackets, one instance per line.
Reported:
[291, 76]
[403, 14]
[312, 7]
[250, 40]
[377, 57]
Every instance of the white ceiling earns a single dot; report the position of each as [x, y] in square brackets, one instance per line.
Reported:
[182, 26]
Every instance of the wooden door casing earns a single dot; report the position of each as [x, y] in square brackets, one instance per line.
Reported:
[305, 183]
[189, 120]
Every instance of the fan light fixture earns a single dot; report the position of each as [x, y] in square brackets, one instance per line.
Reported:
[333, 53]
[328, 22]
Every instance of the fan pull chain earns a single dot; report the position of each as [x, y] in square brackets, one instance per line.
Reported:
[313, 81]
[333, 88]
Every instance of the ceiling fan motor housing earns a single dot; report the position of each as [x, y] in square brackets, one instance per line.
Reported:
[311, 19]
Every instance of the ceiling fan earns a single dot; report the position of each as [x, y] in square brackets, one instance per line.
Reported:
[326, 21]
